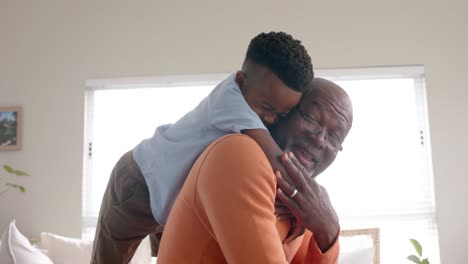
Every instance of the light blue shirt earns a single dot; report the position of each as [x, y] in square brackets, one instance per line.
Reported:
[166, 158]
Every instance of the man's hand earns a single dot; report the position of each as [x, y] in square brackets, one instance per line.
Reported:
[308, 201]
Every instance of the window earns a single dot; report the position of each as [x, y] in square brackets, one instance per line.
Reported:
[119, 114]
[383, 177]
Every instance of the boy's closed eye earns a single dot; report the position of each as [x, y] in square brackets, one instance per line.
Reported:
[271, 111]
[283, 115]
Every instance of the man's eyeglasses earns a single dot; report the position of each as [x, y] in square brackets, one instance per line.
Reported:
[331, 141]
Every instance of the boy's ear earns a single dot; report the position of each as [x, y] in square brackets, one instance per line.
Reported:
[241, 79]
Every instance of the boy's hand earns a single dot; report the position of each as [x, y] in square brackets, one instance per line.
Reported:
[282, 211]
[296, 231]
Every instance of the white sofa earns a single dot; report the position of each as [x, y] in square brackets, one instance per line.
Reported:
[358, 246]
[15, 248]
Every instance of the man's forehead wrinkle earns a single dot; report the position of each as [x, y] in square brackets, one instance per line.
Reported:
[332, 98]
[321, 106]
[343, 116]
[326, 105]
[333, 105]
[345, 110]
[340, 116]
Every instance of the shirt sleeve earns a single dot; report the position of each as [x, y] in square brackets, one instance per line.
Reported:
[236, 189]
[231, 113]
[309, 252]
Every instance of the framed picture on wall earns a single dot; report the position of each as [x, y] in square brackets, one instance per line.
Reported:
[10, 128]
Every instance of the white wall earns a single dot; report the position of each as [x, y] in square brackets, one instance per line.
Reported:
[49, 48]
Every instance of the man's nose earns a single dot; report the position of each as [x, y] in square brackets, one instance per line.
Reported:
[319, 138]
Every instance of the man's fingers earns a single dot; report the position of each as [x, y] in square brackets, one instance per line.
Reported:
[293, 170]
[283, 184]
[288, 201]
[289, 189]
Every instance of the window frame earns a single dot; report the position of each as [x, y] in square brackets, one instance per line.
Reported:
[342, 74]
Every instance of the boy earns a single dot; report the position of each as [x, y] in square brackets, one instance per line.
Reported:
[146, 181]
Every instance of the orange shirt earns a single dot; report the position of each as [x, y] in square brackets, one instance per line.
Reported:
[225, 212]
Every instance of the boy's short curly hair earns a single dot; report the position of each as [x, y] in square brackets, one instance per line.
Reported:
[284, 56]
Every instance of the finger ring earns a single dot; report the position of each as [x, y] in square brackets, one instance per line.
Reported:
[294, 193]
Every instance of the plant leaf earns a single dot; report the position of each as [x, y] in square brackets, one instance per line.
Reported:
[19, 187]
[15, 172]
[425, 261]
[414, 259]
[20, 173]
[8, 168]
[416, 246]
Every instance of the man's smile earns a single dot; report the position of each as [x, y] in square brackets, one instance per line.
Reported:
[305, 156]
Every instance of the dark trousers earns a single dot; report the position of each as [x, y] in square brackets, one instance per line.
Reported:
[125, 218]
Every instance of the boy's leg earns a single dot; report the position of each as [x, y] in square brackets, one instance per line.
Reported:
[125, 217]
[155, 240]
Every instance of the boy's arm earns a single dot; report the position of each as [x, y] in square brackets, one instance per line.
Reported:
[273, 153]
[229, 112]
[269, 147]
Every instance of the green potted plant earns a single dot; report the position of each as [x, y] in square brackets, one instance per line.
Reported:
[7, 180]
[417, 259]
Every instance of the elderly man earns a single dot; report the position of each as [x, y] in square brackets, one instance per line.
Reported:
[225, 211]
